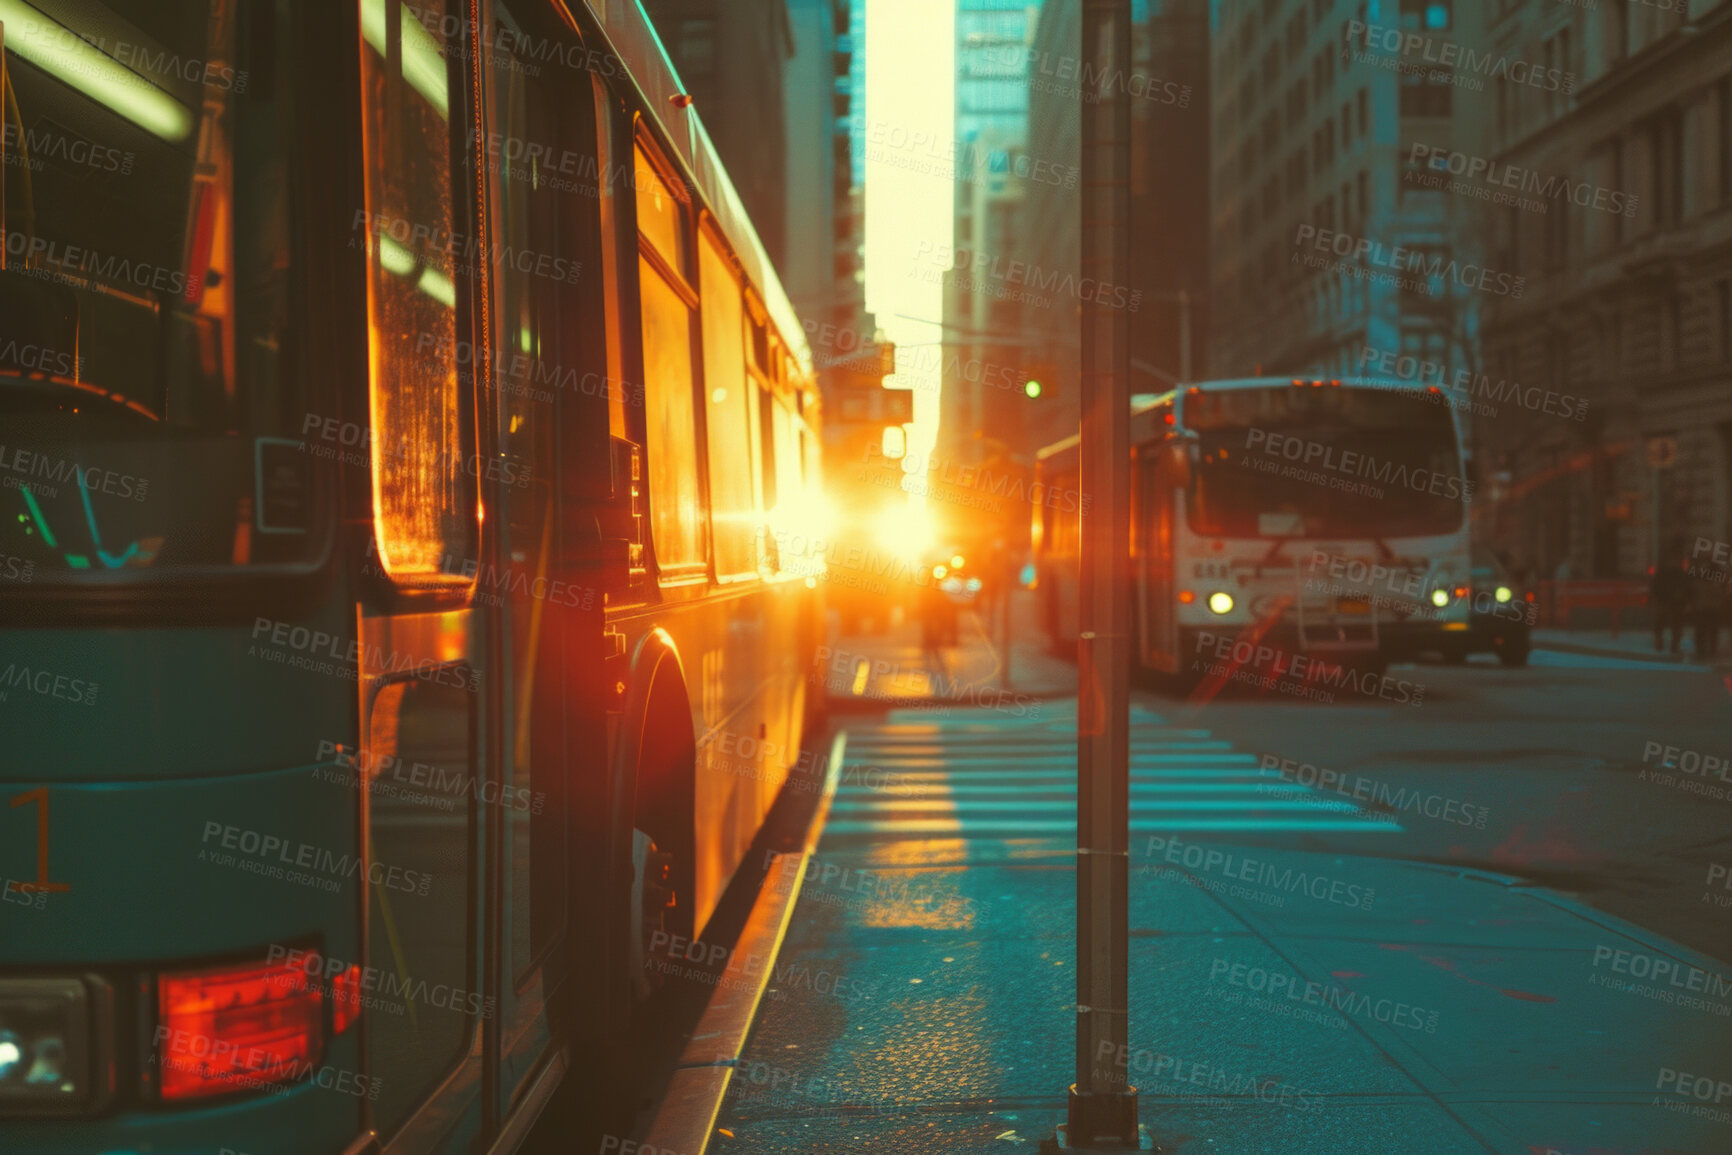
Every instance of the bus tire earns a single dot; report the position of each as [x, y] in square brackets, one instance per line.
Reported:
[652, 841]
[1514, 654]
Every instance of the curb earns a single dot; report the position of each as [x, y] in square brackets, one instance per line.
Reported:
[1653, 659]
[685, 1120]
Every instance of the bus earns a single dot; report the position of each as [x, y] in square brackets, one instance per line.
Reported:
[398, 412]
[1325, 519]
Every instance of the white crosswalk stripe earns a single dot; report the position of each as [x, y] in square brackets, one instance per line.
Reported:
[975, 776]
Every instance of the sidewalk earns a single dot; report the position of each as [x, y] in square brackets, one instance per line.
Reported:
[1637, 644]
[892, 668]
[1281, 1001]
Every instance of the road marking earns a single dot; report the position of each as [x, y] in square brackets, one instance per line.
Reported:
[966, 778]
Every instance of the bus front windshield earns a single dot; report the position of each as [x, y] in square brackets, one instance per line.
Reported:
[1329, 461]
[150, 400]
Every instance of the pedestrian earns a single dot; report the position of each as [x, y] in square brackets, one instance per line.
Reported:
[1705, 616]
[1669, 600]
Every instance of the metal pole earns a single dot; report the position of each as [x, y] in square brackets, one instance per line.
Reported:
[1185, 336]
[1103, 1106]
[1009, 586]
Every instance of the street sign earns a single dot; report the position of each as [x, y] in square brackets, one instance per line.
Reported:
[874, 406]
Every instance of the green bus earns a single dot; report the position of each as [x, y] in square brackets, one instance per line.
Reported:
[398, 414]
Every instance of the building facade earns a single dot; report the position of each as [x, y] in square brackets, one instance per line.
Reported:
[730, 56]
[1624, 228]
[1328, 238]
[1167, 293]
[981, 307]
[824, 237]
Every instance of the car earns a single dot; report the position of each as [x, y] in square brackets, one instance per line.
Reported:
[1500, 617]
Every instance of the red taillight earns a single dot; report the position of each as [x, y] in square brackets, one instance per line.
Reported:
[236, 1028]
[1530, 595]
[1186, 597]
[345, 999]
[1461, 591]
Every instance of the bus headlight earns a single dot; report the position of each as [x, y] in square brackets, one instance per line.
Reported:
[1220, 602]
[1440, 597]
[1504, 594]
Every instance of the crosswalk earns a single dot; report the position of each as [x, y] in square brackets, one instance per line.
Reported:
[977, 774]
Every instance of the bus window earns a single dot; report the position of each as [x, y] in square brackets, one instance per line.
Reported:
[423, 496]
[733, 510]
[760, 339]
[764, 420]
[148, 327]
[676, 502]
[661, 213]
[789, 489]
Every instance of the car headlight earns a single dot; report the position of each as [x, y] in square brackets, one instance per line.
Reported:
[1221, 602]
[1504, 594]
[1440, 597]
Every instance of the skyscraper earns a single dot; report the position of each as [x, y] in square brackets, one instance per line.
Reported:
[729, 54]
[1320, 246]
[981, 310]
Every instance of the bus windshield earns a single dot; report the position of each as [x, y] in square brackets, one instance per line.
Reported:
[1332, 461]
[150, 399]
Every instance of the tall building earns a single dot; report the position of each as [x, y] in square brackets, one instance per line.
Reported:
[981, 306]
[1322, 245]
[1168, 288]
[823, 270]
[857, 86]
[823, 233]
[730, 55]
[1606, 443]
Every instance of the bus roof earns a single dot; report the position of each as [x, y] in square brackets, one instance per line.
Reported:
[632, 38]
[1143, 402]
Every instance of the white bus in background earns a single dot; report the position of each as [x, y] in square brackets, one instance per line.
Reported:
[1325, 518]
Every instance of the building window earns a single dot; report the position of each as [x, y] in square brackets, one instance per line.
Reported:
[1723, 318]
[1666, 158]
[1426, 15]
[1364, 111]
[1557, 236]
[1723, 136]
[1427, 93]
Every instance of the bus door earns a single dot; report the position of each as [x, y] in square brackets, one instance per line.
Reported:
[552, 448]
[1142, 536]
[426, 701]
[1161, 490]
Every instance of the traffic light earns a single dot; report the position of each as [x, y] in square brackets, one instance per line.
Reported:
[1038, 377]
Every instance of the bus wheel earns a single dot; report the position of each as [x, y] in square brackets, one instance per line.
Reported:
[653, 900]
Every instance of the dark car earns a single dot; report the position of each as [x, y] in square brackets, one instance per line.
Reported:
[1500, 616]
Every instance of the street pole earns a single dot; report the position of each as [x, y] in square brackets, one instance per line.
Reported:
[1185, 336]
[1102, 1104]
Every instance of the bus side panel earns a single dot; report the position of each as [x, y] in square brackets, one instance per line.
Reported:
[740, 652]
[1166, 507]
